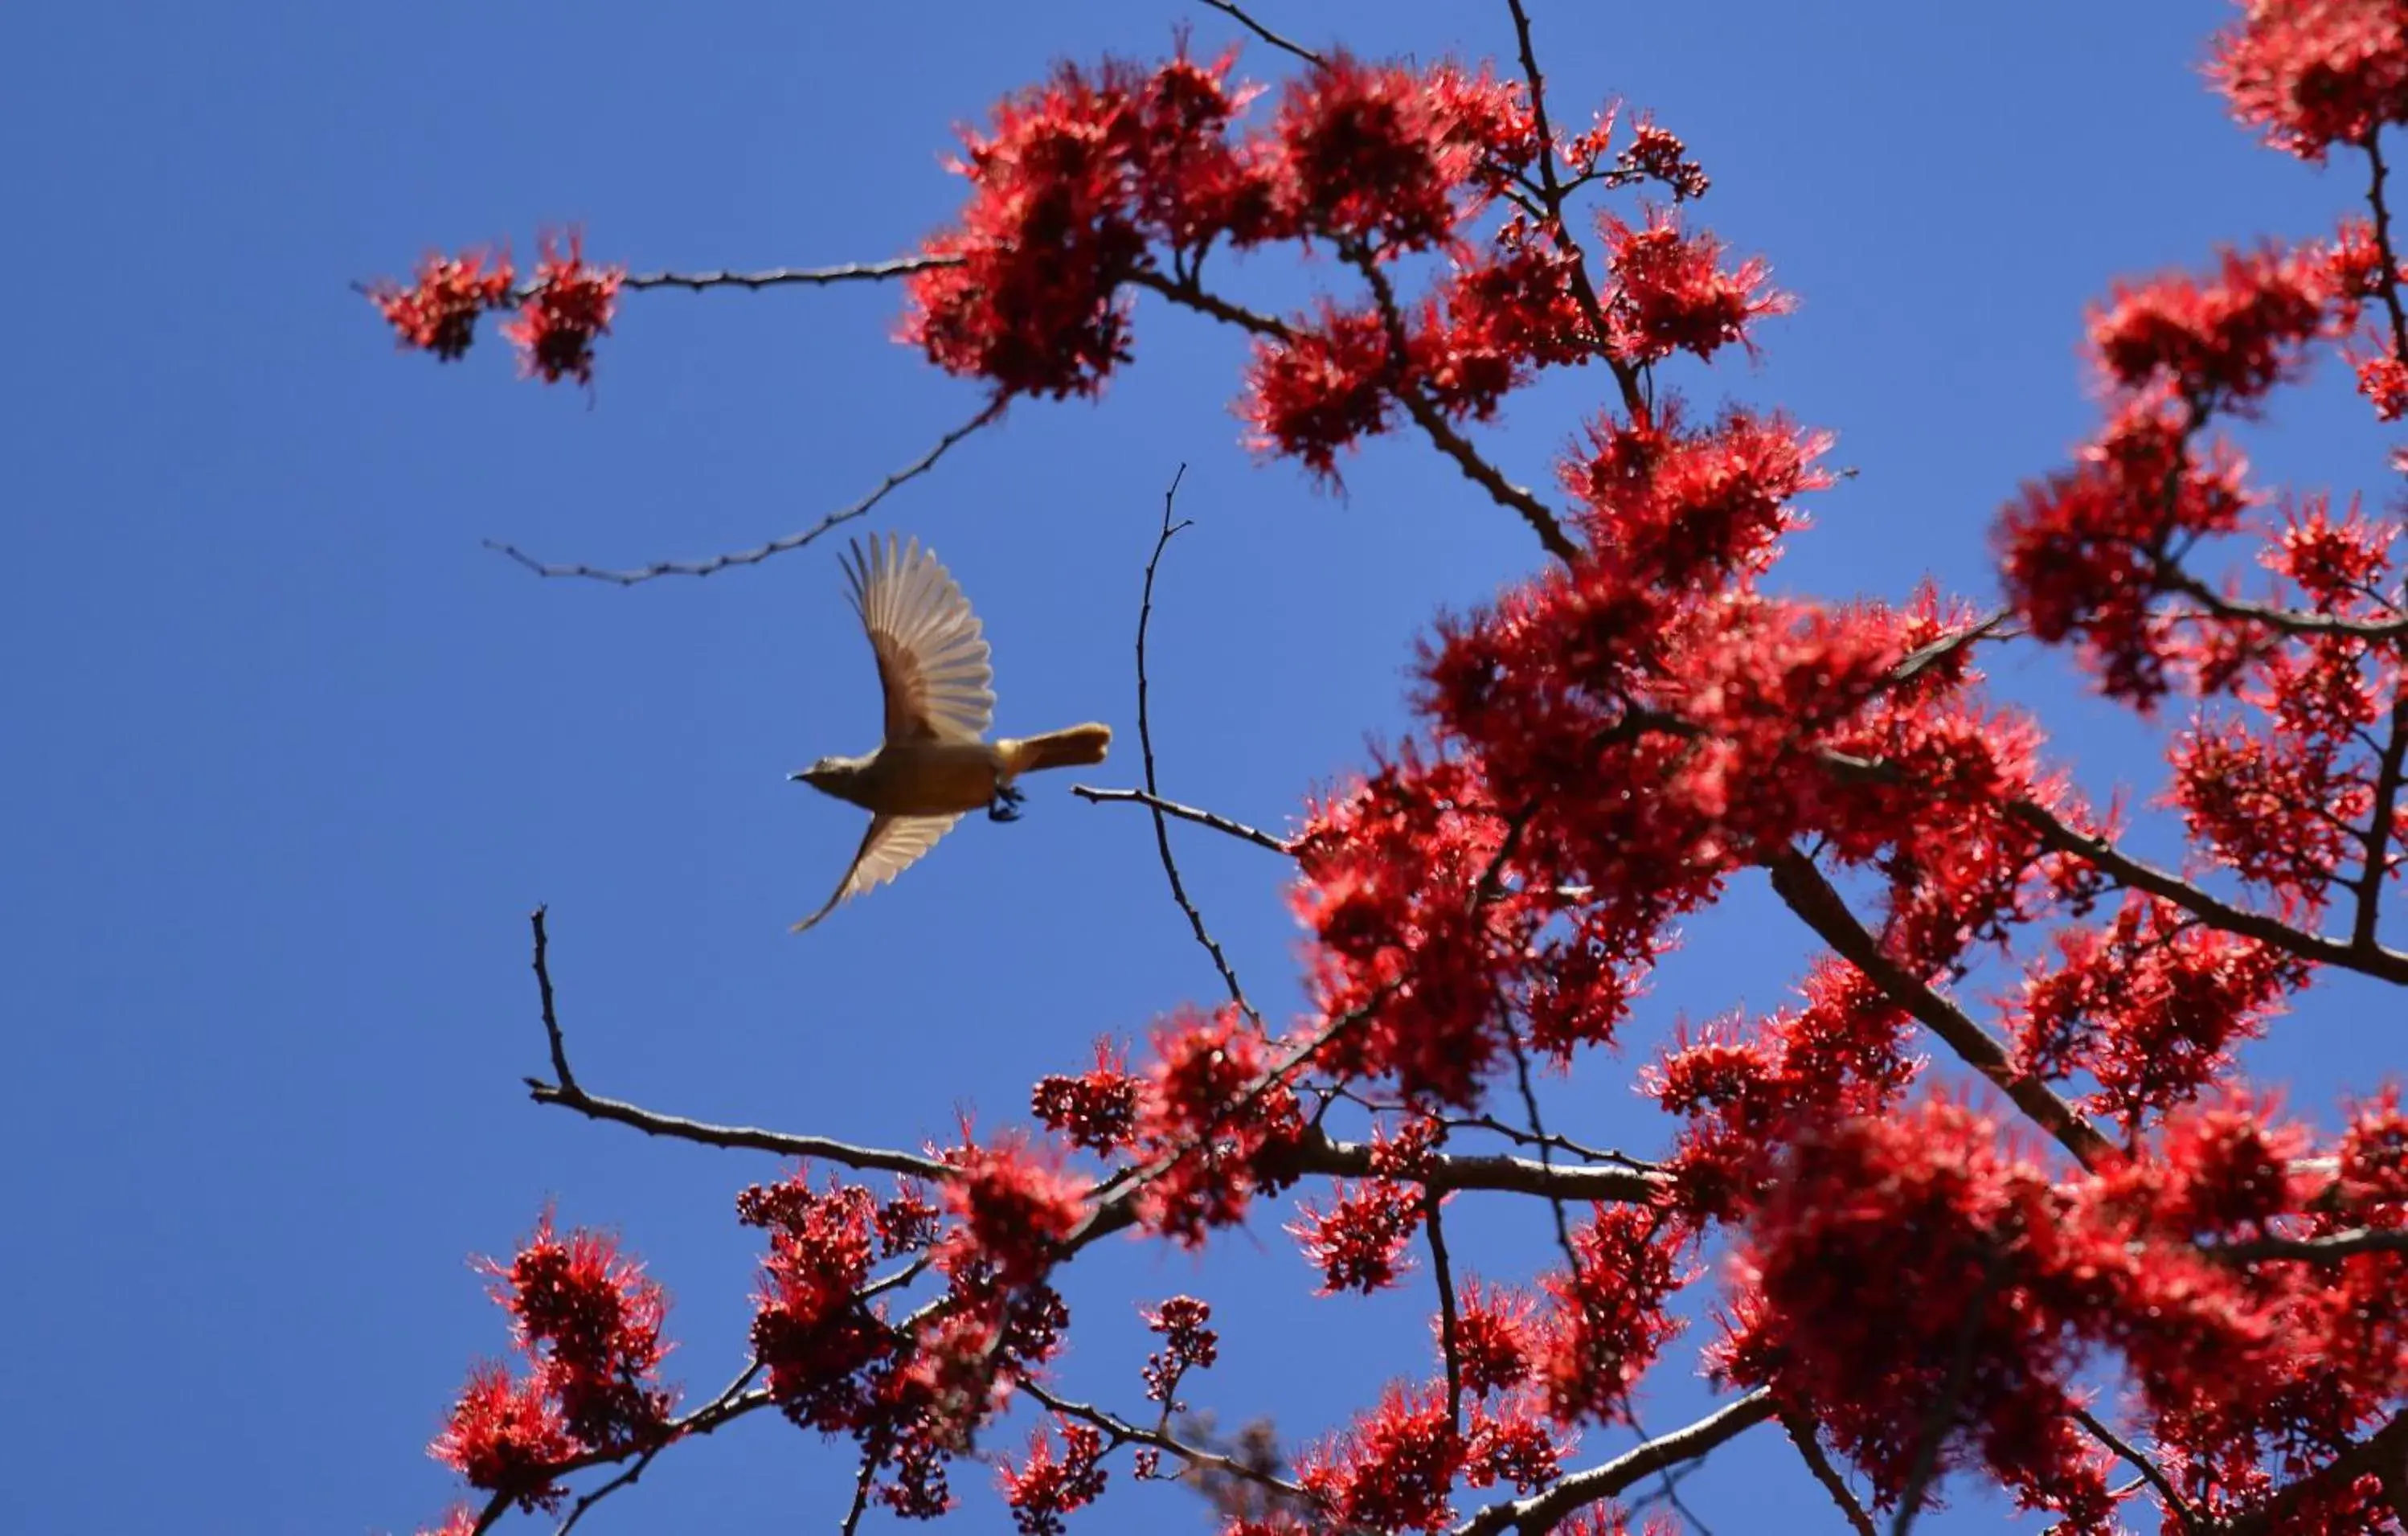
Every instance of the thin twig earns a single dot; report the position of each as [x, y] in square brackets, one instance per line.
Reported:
[551, 1019]
[2146, 1467]
[754, 556]
[1546, 1511]
[1265, 33]
[635, 1469]
[1184, 813]
[776, 277]
[1153, 786]
[568, 1095]
[1449, 1344]
[1122, 1431]
[2389, 769]
[1802, 1434]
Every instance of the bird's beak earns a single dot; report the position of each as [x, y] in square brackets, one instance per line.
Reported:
[796, 778]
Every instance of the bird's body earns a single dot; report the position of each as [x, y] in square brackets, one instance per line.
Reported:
[934, 767]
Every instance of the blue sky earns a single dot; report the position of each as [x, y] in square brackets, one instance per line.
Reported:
[292, 756]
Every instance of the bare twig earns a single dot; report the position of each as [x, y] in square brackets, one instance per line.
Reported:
[1123, 1432]
[1808, 894]
[1265, 33]
[1547, 1510]
[1448, 1344]
[1802, 1434]
[1184, 813]
[993, 411]
[778, 277]
[1153, 785]
[568, 1095]
[636, 1469]
[551, 1019]
[2147, 1469]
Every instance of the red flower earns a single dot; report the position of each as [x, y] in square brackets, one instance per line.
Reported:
[1674, 294]
[2314, 73]
[1323, 387]
[438, 313]
[591, 1320]
[1015, 1210]
[1608, 1320]
[569, 306]
[1359, 1243]
[1494, 1338]
[1046, 1487]
[2224, 342]
[506, 1437]
[1394, 1468]
[1187, 1345]
[1376, 153]
[1097, 1109]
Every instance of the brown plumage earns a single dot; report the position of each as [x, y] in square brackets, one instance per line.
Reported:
[933, 765]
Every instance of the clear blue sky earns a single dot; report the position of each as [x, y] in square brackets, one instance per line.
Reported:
[290, 755]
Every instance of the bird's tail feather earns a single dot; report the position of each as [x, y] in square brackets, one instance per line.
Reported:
[1076, 746]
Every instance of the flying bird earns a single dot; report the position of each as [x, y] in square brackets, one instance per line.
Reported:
[935, 766]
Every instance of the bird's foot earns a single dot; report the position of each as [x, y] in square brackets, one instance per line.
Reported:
[1005, 807]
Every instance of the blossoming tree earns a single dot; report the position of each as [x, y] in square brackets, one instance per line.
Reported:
[1946, 1222]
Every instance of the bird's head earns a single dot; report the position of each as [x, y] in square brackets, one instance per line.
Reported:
[824, 774]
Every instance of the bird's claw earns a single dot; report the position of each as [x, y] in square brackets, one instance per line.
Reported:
[1005, 807]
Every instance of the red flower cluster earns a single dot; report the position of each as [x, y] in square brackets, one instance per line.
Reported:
[1216, 1123]
[1673, 292]
[589, 1323]
[2316, 73]
[1096, 1110]
[1014, 1209]
[569, 306]
[1187, 1345]
[1607, 1319]
[437, 313]
[1359, 1243]
[1394, 1469]
[2220, 344]
[2148, 1006]
[1045, 1486]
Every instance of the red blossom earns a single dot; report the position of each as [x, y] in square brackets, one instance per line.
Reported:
[1096, 1110]
[1359, 1243]
[1217, 1116]
[2222, 342]
[1187, 1345]
[2314, 73]
[1047, 1485]
[507, 1437]
[591, 1320]
[1379, 154]
[1322, 387]
[569, 305]
[1015, 1210]
[437, 313]
[1672, 293]
[1606, 1319]
[1494, 1337]
[1394, 1469]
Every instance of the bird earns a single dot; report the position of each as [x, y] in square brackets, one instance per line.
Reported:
[935, 766]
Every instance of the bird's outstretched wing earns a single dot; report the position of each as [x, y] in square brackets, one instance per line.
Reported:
[932, 656]
[892, 845]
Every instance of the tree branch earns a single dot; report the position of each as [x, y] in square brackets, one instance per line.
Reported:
[2372, 959]
[2147, 1469]
[1184, 813]
[1544, 1512]
[1802, 1434]
[994, 409]
[1122, 1431]
[1802, 886]
[1265, 33]
[1153, 786]
[1449, 1349]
